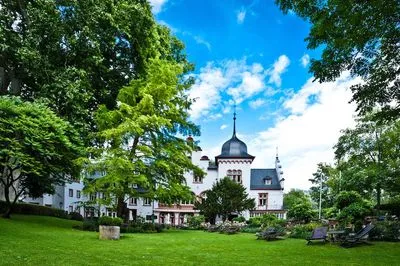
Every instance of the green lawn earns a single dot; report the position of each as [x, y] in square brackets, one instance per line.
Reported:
[35, 240]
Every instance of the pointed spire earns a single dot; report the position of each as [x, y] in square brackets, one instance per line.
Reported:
[277, 152]
[234, 120]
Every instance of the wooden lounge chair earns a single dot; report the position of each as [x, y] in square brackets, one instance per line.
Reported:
[319, 233]
[360, 237]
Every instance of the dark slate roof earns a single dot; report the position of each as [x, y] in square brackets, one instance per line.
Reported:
[257, 177]
[234, 148]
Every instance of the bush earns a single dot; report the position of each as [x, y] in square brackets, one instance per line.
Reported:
[110, 221]
[139, 226]
[196, 221]
[249, 229]
[239, 219]
[31, 209]
[90, 225]
[254, 222]
[303, 230]
[386, 231]
[75, 216]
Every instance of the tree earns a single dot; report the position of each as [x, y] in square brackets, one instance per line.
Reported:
[298, 205]
[37, 150]
[353, 207]
[139, 142]
[293, 197]
[357, 36]
[77, 55]
[326, 177]
[302, 212]
[224, 198]
[369, 157]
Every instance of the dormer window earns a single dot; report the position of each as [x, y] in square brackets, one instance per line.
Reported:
[268, 181]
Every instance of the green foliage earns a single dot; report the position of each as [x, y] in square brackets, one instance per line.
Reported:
[326, 174]
[107, 220]
[368, 48]
[75, 216]
[25, 208]
[303, 230]
[346, 198]
[90, 225]
[302, 212]
[140, 226]
[293, 197]
[369, 158]
[356, 212]
[225, 197]
[38, 149]
[239, 219]
[195, 221]
[386, 231]
[76, 55]
[140, 144]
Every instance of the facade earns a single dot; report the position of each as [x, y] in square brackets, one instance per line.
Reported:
[265, 186]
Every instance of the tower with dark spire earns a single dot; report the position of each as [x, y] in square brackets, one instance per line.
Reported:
[234, 147]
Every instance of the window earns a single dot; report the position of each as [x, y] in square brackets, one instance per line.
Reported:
[262, 199]
[197, 179]
[235, 175]
[267, 181]
[78, 194]
[70, 209]
[93, 196]
[71, 192]
[186, 202]
[146, 201]
[133, 201]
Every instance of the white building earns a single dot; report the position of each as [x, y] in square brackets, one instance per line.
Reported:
[265, 186]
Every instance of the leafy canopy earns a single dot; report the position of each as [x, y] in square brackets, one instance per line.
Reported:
[224, 198]
[357, 36]
[37, 149]
[139, 139]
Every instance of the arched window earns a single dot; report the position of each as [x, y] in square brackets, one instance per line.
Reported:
[235, 175]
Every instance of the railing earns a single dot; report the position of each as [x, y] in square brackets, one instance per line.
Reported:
[269, 207]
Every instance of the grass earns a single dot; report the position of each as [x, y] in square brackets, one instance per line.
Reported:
[39, 240]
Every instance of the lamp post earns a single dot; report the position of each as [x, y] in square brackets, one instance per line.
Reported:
[320, 195]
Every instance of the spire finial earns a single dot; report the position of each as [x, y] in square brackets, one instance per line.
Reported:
[234, 120]
[276, 151]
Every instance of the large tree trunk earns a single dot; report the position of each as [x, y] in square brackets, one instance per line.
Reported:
[7, 214]
[122, 210]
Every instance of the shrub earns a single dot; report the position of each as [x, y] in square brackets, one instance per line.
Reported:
[239, 219]
[31, 209]
[303, 230]
[196, 221]
[90, 225]
[386, 231]
[254, 221]
[110, 221]
[75, 216]
[249, 229]
[356, 211]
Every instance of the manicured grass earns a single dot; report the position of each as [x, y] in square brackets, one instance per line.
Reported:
[38, 240]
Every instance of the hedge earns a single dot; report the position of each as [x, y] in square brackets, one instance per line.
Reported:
[31, 209]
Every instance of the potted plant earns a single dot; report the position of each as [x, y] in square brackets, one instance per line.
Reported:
[109, 227]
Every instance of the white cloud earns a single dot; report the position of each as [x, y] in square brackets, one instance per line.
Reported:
[157, 5]
[277, 69]
[200, 40]
[256, 103]
[241, 15]
[305, 60]
[306, 136]
[235, 78]
[223, 126]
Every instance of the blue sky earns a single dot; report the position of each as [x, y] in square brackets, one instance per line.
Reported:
[251, 54]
